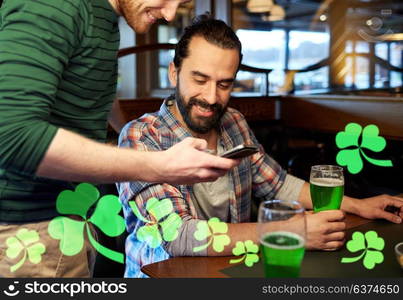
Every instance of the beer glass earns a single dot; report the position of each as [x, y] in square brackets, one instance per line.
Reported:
[399, 253]
[327, 187]
[282, 234]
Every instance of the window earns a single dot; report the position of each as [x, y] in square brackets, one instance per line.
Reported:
[312, 80]
[396, 50]
[166, 34]
[308, 48]
[361, 47]
[261, 49]
[381, 74]
[381, 50]
[348, 79]
[170, 33]
[357, 66]
[381, 77]
[362, 65]
[362, 72]
[126, 85]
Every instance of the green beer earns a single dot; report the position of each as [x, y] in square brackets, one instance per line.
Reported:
[282, 253]
[326, 193]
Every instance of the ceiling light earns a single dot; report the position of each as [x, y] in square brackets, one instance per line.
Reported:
[277, 13]
[260, 6]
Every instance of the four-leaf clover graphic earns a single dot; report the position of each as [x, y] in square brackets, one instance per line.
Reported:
[248, 250]
[27, 241]
[370, 140]
[215, 229]
[158, 210]
[372, 246]
[70, 231]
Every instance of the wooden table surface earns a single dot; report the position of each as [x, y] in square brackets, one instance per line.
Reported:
[209, 267]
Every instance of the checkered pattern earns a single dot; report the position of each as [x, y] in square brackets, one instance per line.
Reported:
[258, 174]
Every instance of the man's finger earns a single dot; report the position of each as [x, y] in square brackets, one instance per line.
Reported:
[198, 144]
[390, 217]
[395, 201]
[396, 198]
[335, 236]
[217, 162]
[333, 215]
[336, 227]
[333, 245]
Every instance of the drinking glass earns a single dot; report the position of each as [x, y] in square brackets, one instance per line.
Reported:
[282, 234]
[327, 187]
[399, 253]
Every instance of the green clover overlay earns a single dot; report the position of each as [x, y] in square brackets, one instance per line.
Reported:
[215, 229]
[370, 140]
[248, 250]
[27, 241]
[70, 231]
[150, 232]
[372, 246]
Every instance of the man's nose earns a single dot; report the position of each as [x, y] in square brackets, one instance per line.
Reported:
[169, 10]
[210, 93]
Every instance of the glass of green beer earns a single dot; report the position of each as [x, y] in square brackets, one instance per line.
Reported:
[282, 234]
[327, 187]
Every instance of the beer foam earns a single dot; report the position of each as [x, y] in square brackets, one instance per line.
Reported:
[301, 240]
[327, 182]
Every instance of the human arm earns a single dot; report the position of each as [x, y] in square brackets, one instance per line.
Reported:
[37, 40]
[73, 157]
[270, 181]
[375, 207]
[370, 208]
[325, 229]
[184, 242]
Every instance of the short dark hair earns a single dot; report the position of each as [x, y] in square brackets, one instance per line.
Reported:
[214, 31]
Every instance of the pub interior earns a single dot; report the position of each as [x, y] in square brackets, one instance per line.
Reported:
[310, 67]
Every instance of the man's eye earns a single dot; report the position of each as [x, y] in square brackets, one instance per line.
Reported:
[200, 81]
[224, 86]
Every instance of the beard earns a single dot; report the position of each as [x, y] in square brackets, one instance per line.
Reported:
[201, 125]
[131, 11]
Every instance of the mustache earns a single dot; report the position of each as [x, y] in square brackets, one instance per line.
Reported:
[203, 104]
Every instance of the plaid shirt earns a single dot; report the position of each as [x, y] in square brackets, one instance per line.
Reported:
[258, 174]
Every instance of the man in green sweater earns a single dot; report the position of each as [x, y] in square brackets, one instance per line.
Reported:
[58, 71]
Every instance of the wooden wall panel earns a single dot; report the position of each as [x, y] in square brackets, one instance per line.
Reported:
[135, 108]
[332, 113]
[322, 113]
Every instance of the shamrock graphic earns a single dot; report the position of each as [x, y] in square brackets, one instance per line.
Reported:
[27, 241]
[249, 249]
[158, 210]
[218, 238]
[372, 246]
[370, 140]
[70, 232]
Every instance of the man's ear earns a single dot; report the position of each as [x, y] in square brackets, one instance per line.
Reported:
[172, 74]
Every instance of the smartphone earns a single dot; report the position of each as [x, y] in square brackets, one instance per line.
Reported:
[240, 151]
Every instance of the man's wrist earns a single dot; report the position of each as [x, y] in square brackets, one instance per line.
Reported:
[153, 164]
[350, 205]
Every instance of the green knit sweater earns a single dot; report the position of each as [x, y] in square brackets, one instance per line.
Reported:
[58, 69]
